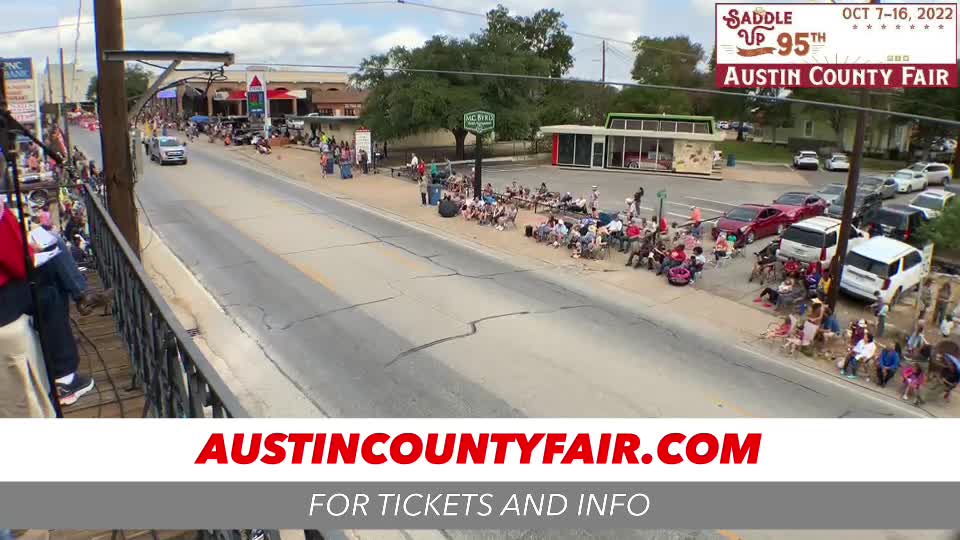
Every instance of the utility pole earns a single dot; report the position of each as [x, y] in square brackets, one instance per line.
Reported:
[849, 199]
[603, 62]
[114, 130]
[63, 114]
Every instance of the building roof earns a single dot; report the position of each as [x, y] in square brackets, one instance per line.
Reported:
[601, 130]
[648, 116]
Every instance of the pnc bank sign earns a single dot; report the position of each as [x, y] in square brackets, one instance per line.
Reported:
[836, 45]
[17, 69]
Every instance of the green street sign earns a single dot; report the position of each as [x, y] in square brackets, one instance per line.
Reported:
[479, 122]
[662, 194]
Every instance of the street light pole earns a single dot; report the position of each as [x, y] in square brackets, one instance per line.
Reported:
[849, 199]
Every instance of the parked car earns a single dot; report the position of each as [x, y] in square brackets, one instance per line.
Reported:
[941, 144]
[723, 124]
[798, 205]
[882, 265]
[831, 192]
[752, 221]
[935, 173]
[813, 240]
[933, 202]
[864, 204]
[908, 180]
[165, 150]
[806, 159]
[837, 162]
[885, 187]
[897, 221]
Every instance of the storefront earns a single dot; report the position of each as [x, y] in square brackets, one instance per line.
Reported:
[682, 144]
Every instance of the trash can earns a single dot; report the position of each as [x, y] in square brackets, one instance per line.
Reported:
[731, 160]
[433, 194]
[330, 165]
[346, 171]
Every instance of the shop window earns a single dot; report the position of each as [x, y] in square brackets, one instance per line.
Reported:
[700, 127]
[668, 126]
[325, 112]
[618, 124]
[632, 152]
[634, 124]
[351, 111]
[582, 150]
[615, 152]
[565, 146]
[651, 125]
[808, 128]
[684, 127]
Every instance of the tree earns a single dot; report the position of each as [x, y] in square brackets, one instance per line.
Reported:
[668, 61]
[136, 79]
[544, 34]
[404, 103]
[938, 103]
[945, 230]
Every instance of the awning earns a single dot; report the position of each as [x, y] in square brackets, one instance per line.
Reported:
[241, 95]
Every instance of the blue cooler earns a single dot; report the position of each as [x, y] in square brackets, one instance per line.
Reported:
[346, 171]
[433, 194]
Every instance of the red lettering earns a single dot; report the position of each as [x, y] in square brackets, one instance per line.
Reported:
[502, 442]
[275, 452]
[626, 447]
[366, 451]
[214, 449]
[553, 446]
[663, 449]
[299, 441]
[604, 450]
[236, 450]
[340, 448]
[528, 445]
[318, 447]
[735, 452]
[580, 450]
[693, 448]
[396, 448]
[475, 448]
[433, 439]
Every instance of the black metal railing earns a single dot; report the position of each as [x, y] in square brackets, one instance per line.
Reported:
[176, 378]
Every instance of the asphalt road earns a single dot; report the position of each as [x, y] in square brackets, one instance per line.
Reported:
[370, 317]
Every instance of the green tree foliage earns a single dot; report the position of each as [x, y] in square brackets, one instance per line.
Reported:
[945, 230]
[938, 103]
[408, 101]
[136, 80]
[671, 61]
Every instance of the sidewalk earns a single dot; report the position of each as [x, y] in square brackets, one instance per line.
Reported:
[699, 308]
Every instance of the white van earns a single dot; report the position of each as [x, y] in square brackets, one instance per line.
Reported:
[814, 239]
[882, 265]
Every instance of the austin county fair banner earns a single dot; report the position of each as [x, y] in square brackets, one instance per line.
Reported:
[18, 75]
[480, 474]
[889, 45]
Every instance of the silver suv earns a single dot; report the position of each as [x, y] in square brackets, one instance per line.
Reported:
[167, 150]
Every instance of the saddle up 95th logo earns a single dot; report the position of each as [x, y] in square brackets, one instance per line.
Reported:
[836, 45]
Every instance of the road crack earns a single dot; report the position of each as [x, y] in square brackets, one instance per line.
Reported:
[473, 330]
[338, 310]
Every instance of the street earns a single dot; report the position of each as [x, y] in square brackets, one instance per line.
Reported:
[370, 317]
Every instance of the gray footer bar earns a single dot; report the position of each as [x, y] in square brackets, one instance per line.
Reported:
[250, 505]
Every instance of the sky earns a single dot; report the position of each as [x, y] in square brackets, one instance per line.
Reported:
[341, 34]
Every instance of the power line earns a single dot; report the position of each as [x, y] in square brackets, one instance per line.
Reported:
[672, 88]
[209, 11]
[574, 32]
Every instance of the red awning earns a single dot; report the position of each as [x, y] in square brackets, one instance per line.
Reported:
[237, 95]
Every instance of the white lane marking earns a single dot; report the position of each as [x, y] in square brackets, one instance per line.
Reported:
[714, 210]
[890, 402]
[511, 170]
[710, 201]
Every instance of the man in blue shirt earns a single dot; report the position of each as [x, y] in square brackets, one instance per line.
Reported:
[888, 364]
